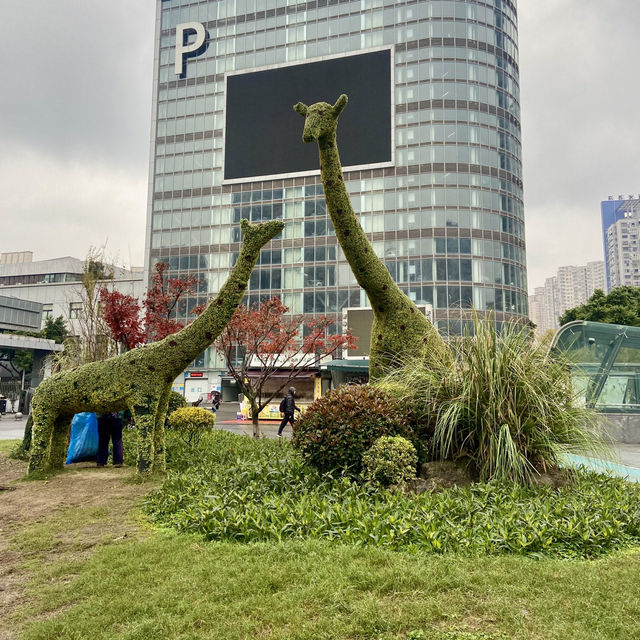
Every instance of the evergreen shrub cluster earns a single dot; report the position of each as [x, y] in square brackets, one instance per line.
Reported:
[337, 429]
[176, 401]
[391, 460]
[234, 488]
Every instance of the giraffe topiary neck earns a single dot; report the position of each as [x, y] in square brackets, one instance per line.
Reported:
[369, 271]
[177, 351]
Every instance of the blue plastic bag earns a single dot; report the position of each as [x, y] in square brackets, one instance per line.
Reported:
[83, 445]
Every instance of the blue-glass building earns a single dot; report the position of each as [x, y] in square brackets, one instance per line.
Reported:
[620, 241]
[445, 213]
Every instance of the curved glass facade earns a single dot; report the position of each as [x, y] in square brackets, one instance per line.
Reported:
[447, 218]
[605, 364]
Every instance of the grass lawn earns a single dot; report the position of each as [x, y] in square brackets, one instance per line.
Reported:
[80, 559]
[83, 562]
[178, 587]
[8, 445]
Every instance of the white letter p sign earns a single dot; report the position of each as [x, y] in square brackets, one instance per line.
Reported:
[182, 48]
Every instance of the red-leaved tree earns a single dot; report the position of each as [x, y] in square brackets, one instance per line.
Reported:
[164, 298]
[264, 340]
[121, 312]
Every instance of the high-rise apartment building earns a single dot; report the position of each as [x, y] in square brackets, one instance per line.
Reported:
[436, 181]
[620, 228]
[570, 287]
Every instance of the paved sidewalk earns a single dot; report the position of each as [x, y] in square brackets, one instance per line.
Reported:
[626, 461]
[10, 428]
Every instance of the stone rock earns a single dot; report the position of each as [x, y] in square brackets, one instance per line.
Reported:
[416, 486]
[445, 474]
[554, 478]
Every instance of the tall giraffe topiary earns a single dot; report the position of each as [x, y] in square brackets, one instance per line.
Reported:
[399, 328]
[139, 380]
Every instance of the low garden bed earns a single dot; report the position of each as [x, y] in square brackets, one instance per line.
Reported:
[232, 488]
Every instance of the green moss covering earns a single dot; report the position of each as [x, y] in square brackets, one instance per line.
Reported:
[399, 328]
[139, 380]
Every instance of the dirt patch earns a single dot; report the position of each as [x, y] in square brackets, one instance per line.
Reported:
[39, 519]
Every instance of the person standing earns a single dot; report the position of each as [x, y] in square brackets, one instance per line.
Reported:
[288, 407]
[110, 428]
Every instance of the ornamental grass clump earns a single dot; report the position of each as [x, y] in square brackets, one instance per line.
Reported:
[337, 429]
[391, 460]
[504, 402]
[191, 422]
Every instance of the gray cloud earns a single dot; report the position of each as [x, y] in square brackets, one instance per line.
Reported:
[75, 122]
[78, 84]
[60, 207]
[74, 126]
[580, 125]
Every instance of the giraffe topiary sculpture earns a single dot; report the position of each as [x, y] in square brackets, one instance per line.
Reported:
[399, 328]
[139, 380]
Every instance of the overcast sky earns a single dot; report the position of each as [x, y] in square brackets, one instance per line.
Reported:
[75, 109]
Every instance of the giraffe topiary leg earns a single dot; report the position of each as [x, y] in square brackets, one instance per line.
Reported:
[144, 415]
[43, 425]
[159, 452]
[59, 442]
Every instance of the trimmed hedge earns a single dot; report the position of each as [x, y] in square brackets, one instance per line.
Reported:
[337, 429]
[191, 423]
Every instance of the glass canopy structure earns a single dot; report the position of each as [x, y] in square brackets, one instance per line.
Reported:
[605, 361]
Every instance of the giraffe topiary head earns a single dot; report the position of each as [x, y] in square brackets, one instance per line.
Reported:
[320, 118]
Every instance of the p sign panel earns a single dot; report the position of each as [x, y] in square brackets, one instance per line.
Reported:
[186, 49]
[263, 134]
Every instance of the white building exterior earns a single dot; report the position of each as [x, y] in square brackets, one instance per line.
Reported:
[620, 240]
[14, 257]
[570, 287]
[56, 285]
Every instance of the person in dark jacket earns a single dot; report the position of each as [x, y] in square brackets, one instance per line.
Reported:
[110, 428]
[289, 403]
[215, 401]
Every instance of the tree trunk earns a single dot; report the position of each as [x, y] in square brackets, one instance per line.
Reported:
[255, 417]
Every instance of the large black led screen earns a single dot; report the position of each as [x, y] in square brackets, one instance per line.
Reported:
[263, 134]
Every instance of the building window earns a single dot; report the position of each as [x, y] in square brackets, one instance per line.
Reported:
[75, 309]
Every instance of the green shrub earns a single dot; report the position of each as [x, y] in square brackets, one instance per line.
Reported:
[504, 402]
[21, 450]
[176, 401]
[391, 460]
[191, 422]
[336, 430]
[237, 489]
[18, 452]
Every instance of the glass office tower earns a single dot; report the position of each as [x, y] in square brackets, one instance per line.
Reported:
[446, 215]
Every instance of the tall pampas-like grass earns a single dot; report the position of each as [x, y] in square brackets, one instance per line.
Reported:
[504, 402]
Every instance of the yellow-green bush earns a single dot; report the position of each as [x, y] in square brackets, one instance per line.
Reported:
[191, 423]
[391, 460]
[504, 402]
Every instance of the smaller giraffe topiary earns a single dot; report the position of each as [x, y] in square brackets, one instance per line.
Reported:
[399, 328]
[139, 380]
